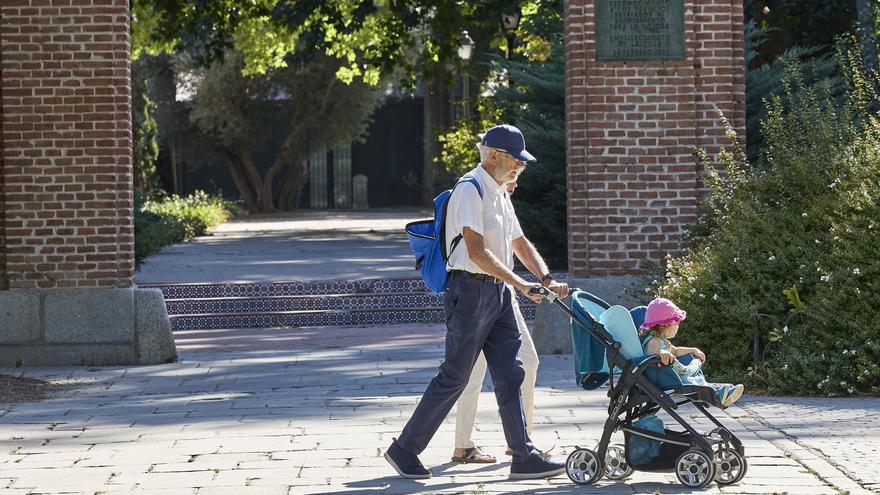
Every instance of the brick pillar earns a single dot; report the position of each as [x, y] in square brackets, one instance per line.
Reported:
[66, 145]
[66, 233]
[632, 127]
[4, 280]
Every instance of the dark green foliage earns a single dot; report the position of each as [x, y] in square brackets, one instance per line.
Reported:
[763, 81]
[801, 23]
[152, 232]
[145, 134]
[787, 251]
[535, 103]
[175, 219]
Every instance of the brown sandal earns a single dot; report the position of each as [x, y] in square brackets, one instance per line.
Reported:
[474, 455]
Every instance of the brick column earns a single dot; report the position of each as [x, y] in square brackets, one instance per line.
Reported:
[66, 144]
[66, 233]
[632, 127]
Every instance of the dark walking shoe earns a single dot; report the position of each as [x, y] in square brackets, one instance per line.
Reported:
[406, 464]
[544, 453]
[535, 467]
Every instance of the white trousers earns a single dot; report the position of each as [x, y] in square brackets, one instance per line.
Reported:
[466, 408]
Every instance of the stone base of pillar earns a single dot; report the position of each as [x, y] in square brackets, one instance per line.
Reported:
[90, 327]
[552, 327]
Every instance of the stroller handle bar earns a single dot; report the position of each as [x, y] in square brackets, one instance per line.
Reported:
[548, 294]
[551, 297]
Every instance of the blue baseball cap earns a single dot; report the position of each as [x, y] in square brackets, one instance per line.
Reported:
[510, 139]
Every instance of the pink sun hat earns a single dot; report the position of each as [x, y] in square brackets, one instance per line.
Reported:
[662, 311]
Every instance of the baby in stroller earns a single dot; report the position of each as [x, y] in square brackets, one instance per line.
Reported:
[662, 320]
[606, 346]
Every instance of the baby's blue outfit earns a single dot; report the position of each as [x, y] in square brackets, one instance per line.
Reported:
[691, 373]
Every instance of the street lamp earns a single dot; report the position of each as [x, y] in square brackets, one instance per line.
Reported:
[465, 51]
[509, 22]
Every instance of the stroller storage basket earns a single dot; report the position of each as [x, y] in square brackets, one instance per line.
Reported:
[669, 452]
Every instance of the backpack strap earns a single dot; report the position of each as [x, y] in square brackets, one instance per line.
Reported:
[457, 239]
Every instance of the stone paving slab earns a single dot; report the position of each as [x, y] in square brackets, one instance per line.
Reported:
[309, 418]
[837, 438]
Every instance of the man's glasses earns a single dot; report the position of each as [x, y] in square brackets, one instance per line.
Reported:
[511, 155]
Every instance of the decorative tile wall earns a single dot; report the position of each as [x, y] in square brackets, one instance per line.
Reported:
[296, 304]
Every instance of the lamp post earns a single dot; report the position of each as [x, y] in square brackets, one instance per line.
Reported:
[509, 22]
[465, 51]
[510, 17]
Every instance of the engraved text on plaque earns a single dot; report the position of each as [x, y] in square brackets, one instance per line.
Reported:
[639, 30]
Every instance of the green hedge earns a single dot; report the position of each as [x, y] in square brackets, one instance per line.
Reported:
[175, 219]
[787, 253]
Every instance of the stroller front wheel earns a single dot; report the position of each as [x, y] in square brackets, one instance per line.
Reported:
[616, 467]
[584, 466]
[730, 466]
[694, 469]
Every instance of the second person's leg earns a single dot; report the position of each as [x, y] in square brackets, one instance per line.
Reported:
[529, 357]
[466, 416]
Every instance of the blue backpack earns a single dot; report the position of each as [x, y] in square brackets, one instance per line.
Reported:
[427, 238]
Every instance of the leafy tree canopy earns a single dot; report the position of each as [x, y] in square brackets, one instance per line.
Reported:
[287, 113]
[374, 38]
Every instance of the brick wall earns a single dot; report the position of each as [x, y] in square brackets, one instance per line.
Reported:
[66, 144]
[4, 280]
[632, 127]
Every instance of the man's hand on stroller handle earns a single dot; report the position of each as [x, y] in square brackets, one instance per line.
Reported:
[532, 291]
[551, 291]
[559, 288]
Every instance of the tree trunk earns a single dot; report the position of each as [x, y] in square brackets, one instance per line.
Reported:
[268, 181]
[436, 117]
[294, 178]
[244, 190]
[174, 180]
[297, 173]
[263, 200]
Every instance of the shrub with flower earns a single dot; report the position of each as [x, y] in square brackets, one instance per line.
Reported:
[781, 276]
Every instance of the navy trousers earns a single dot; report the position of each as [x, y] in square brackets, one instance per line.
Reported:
[479, 317]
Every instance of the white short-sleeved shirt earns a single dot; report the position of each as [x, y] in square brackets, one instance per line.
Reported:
[492, 217]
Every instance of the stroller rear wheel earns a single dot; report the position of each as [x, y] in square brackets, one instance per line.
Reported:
[694, 469]
[730, 466]
[616, 467]
[584, 466]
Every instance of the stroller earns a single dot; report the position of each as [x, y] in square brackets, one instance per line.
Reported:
[605, 342]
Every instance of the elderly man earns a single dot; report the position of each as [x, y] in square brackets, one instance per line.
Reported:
[479, 312]
[466, 408]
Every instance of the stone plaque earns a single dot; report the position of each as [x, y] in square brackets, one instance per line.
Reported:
[639, 30]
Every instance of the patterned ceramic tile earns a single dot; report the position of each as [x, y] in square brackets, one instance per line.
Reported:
[295, 304]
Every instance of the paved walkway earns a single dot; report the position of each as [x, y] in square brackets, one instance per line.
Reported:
[305, 245]
[311, 412]
[842, 432]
